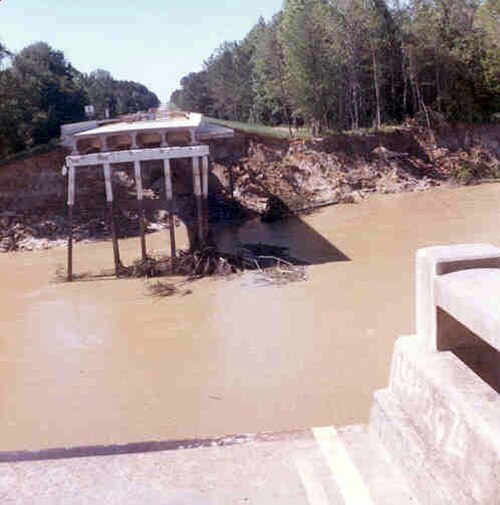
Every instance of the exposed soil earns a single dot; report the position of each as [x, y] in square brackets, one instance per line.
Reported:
[251, 174]
[276, 178]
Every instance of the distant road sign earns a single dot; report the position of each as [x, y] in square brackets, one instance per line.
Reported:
[89, 110]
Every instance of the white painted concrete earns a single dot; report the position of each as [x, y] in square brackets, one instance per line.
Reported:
[191, 122]
[107, 181]
[138, 180]
[204, 179]
[196, 176]
[439, 419]
[71, 186]
[473, 298]
[346, 475]
[168, 180]
[138, 155]
[434, 261]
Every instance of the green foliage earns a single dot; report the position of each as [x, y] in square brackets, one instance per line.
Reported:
[350, 64]
[51, 95]
[272, 102]
[488, 23]
[279, 132]
[311, 65]
[195, 95]
[465, 173]
[117, 97]
[13, 115]
[474, 168]
[40, 90]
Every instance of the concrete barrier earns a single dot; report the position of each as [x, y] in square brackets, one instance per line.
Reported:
[440, 416]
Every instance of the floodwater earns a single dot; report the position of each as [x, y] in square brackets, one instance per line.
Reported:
[100, 362]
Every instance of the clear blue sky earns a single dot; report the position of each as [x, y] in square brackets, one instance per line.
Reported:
[155, 42]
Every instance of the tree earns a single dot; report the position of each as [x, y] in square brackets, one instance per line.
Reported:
[4, 54]
[11, 109]
[133, 97]
[109, 96]
[488, 22]
[100, 88]
[49, 88]
[229, 75]
[445, 55]
[194, 94]
[310, 68]
[356, 63]
[14, 115]
[271, 99]
[40, 90]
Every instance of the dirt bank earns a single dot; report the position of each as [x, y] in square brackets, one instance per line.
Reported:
[274, 177]
[251, 174]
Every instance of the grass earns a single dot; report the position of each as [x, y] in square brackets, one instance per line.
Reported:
[282, 132]
[279, 132]
[361, 132]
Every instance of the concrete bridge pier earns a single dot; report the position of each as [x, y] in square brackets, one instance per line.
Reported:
[439, 419]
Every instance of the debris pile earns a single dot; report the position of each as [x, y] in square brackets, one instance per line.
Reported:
[165, 289]
[304, 177]
[191, 264]
[281, 274]
[209, 262]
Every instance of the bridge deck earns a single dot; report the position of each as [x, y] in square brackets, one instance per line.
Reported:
[314, 467]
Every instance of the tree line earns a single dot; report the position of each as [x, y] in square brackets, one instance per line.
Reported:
[40, 90]
[346, 64]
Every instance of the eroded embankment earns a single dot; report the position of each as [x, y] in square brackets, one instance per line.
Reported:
[251, 174]
[272, 177]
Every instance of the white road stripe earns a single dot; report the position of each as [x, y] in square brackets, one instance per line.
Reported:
[344, 472]
[315, 492]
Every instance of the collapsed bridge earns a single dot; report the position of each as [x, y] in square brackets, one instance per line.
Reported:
[181, 138]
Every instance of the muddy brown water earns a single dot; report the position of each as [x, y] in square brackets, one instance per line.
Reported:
[100, 362]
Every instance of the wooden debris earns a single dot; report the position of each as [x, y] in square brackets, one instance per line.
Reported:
[163, 289]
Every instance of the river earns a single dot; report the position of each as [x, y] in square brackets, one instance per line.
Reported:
[100, 362]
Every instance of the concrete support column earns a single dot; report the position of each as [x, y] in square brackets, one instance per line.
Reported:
[198, 196]
[192, 134]
[204, 189]
[71, 185]
[140, 199]
[107, 182]
[111, 218]
[134, 141]
[104, 144]
[204, 179]
[74, 151]
[169, 192]
[169, 195]
[164, 139]
[71, 203]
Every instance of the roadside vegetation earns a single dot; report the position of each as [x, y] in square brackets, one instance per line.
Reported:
[279, 132]
[288, 132]
[335, 65]
[40, 90]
